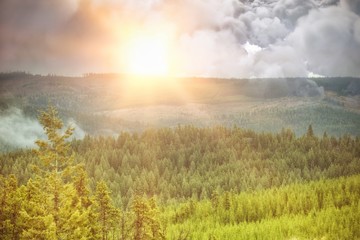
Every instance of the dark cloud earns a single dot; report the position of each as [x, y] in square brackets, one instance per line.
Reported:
[296, 37]
[53, 36]
[289, 11]
[24, 26]
[329, 40]
[352, 5]
[34, 15]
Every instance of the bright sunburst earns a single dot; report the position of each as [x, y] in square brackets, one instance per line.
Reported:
[147, 56]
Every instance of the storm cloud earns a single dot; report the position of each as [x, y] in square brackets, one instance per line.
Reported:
[293, 38]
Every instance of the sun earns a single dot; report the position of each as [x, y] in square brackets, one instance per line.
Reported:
[147, 56]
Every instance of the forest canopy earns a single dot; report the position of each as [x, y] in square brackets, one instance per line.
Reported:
[181, 183]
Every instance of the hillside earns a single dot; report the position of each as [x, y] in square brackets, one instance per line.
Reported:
[106, 104]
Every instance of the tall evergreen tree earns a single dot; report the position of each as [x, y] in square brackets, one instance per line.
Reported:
[310, 131]
[54, 153]
[146, 224]
[37, 221]
[65, 201]
[108, 215]
[141, 211]
[10, 205]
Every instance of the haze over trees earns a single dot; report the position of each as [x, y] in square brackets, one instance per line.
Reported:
[329, 104]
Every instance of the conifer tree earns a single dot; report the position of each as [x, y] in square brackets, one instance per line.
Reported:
[37, 222]
[108, 215]
[80, 183]
[54, 153]
[310, 131]
[215, 199]
[141, 213]
[155, 223]
[124, 227]
[63, 202]
[147, 224]
[10, 204]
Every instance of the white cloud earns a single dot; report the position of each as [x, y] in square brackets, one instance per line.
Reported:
[251, 49]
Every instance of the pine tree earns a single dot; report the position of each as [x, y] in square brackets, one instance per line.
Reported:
[37, 222]
[147, 224]
[10, 205]
[80, 183]
[73, 218]
[226, 201]
[54, 153]
[57, 169]
[141, 211]
[215, 199]
[155, 223]
[3, 205]
[125, 228]
[310, 132]
[108, 215]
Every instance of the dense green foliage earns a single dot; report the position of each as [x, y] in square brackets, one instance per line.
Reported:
[327, 209]
[56, 203]
[190, 162]
[212, 183]
[327, 115]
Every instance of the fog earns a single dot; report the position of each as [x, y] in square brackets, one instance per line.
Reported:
[19, 131]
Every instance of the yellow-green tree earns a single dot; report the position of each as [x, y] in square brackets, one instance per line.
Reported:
[54, 153]
[10, 205]
[107, 214]
[64, 192]
[146, 224]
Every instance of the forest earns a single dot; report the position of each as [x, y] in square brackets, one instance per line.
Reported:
[185, 182]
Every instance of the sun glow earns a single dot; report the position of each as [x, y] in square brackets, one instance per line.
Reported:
[147, 56]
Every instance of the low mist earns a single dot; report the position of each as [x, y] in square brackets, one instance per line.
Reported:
[20, 131]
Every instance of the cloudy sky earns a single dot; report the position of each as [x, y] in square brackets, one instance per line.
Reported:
[227, 38]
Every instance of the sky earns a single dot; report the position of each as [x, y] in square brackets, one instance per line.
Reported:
[216, 38]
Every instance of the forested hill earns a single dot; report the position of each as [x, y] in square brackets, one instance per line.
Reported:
[192, 162]
[181, 183]
[106, 104]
